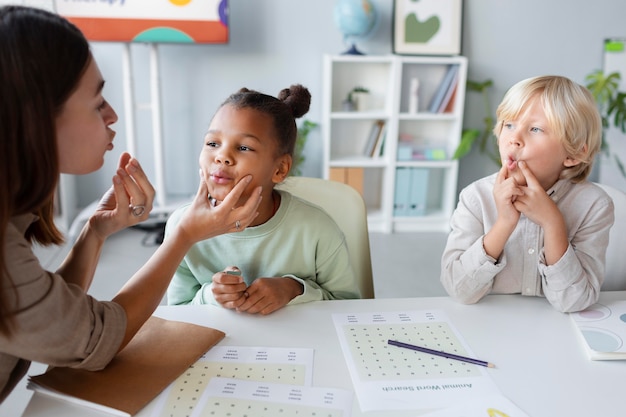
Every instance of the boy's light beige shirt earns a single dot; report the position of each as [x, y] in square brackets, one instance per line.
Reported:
[571, 284]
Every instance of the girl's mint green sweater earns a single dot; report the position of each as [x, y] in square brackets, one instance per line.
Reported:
[300, 241]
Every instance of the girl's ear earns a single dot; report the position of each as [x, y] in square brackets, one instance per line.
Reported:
[283, 166]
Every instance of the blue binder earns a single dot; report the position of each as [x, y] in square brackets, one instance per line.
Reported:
[418, 193]
[401, 196]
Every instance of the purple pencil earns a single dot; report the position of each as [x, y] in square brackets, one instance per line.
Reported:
[440, 353]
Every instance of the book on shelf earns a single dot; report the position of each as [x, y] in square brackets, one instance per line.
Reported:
[380, 143]
[444, 87]
[374, 136]
[158, 354]
[447, 104]
[602, 330]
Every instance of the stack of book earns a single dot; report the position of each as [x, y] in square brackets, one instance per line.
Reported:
[443, 99]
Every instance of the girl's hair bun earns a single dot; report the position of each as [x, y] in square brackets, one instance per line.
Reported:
[297, 98]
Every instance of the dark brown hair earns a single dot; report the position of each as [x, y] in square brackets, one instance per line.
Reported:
[291, 103]
[42, 58]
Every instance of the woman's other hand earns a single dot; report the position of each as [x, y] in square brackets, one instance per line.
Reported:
[127, 203]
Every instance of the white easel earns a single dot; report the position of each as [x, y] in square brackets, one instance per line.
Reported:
[157, 126]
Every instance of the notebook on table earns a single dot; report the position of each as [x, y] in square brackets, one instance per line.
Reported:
[602, 329]
[160, 352]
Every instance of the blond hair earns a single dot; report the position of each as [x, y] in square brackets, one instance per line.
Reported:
[571, 112]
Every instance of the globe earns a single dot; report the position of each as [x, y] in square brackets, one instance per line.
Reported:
[354, 19]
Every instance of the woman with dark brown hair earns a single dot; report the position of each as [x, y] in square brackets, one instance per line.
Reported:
[53, 120]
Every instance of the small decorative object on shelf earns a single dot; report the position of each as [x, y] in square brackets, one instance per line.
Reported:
[355, 99]
[414, 95]
[355, 19]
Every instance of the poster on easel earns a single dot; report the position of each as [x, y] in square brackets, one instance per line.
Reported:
[150, 21]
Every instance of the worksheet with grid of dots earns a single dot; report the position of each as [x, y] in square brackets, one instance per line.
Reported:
[390, 376]
[375, 359]
[271, 365]
[226, 397]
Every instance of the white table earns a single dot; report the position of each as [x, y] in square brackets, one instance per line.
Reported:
[540, 363]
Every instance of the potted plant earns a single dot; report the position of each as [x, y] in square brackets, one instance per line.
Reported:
[351, 103]
[484, 137]
[611, 105]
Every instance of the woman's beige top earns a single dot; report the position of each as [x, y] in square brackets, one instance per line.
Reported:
[56, 323]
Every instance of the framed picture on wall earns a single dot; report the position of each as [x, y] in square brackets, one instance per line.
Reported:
[427, 27]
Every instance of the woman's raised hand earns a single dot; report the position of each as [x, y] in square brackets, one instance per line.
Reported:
[128, 202]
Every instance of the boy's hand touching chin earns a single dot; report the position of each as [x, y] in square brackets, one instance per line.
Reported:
[505, 192]
[534, 202]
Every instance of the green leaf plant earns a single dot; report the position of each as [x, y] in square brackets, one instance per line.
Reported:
[298, 155]
[483, 137]
[611, 105]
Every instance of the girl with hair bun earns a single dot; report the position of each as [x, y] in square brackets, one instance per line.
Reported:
[292, 252]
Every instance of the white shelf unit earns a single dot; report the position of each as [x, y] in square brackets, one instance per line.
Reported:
[345, 133]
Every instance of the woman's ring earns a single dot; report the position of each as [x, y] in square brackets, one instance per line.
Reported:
[237, 225]
[138, 210]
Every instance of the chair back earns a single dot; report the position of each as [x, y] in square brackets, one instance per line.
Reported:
[347, 208]
[615, 274]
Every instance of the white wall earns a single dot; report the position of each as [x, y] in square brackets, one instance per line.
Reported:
[508, 40]
[274, 43]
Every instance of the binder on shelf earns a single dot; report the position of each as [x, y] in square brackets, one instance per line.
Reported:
[411, 192]
[401, 194]
[350, 176]
[374, 136]
[440, 93]
[418, 191]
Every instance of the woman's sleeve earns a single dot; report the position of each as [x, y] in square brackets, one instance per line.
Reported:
[57, 323]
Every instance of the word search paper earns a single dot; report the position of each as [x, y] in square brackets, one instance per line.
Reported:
[388, 377]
